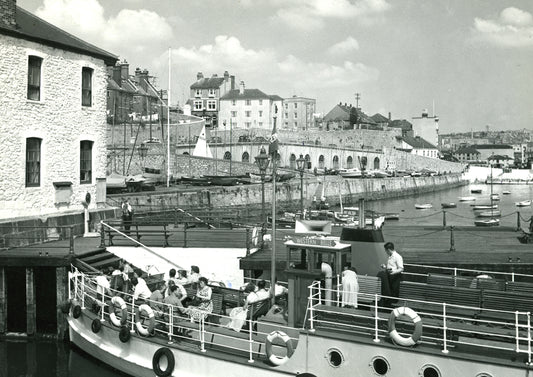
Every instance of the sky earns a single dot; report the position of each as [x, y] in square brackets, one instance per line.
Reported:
[468, 62]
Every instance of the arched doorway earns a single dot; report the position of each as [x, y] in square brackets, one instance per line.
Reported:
[292, 161]
[245, 157]
[349, 162]
[376, 163]
[308, 161]
[336, 162]
[321, 162]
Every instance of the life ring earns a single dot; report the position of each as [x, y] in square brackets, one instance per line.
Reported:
[118, 303]
[147, 312]
[255, 236]
[76, 311]
[170, 362]
[124, 334]
[395, 336]
[274, 359]
[96, 325]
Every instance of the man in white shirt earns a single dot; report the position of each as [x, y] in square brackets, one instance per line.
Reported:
[394, 269]
[141, 290]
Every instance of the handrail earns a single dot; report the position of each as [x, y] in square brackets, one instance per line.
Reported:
[455, 271]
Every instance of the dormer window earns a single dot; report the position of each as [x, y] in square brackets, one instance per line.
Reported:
[212, 92]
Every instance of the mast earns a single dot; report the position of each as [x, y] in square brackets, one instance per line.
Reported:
[168, 118]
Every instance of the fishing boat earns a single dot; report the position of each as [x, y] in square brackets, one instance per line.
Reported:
[524, 203]
[424, 206]
[448, 205]
[467, 199]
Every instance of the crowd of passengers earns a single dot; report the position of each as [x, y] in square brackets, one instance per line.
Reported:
[128, 282]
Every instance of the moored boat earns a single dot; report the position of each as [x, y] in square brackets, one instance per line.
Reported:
[484, 207]
[490, 213]
[351, 173]
[467, 199]
[524, 203]
[476, 191]
[487, 222]
[495, 197]
[424, 206]
[448, 205]
[506, 192]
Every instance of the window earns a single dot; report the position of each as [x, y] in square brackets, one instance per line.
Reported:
[212, 92]
[248, 114]
[34, 78]
[33, 162]
[260, 124]
[233, 102]
[198, 93]
[286, 106]
[260, 113]
[198, 105]
[286, 115]
[248, 124]
[86, 86]
[295, 105]
[86, 158]
[286, 124]
[295, 115]
[211, 105]
[295, 124]
[233, 114]
[248, 102]
[260, 102]
[245, 157]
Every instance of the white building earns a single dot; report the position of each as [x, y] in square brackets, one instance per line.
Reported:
[298, 113]
[426, 127]
[53, 118]
[249, 108]
[419, 146]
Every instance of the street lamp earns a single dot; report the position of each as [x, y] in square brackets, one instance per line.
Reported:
[262, 162]
[143, 152]
[300, 165]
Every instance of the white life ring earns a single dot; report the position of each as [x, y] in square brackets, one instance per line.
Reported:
[146, 311]
[395, 336]
[118, 304]
[274, 359]
[255, 236]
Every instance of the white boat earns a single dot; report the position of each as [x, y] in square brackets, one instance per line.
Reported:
[351, 173]
[506, 192]
[467, 199]
[424, 206]
[490, 213]
[484, 207]
[524, 203]
[495, 197]
[380, 174]
[487, 222]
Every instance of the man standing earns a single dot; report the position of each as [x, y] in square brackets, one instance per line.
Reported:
[127, 216]
[394, 269]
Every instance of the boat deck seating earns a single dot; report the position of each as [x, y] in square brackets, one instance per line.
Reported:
[508, 301]
[370, 286]
[465, 282]
[139, 233]
[519, 286]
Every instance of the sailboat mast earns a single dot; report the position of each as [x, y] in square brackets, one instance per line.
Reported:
[168, 118]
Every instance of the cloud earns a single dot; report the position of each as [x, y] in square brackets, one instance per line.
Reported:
[348, 45]
[136, 30]
[311, 14]
[514, 28]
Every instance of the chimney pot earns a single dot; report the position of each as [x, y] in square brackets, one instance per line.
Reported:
[199, 76]
[241, 87]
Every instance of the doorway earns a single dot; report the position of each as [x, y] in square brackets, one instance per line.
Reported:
[16, 299]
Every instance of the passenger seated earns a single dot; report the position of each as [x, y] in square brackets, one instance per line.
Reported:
[239, 314]
[182, 277]
[202, 305]
[141, 292]
[102, 289]
[156, 298]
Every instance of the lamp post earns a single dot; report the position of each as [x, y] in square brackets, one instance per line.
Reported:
[143, 152]
[300, 165]
[262, 162]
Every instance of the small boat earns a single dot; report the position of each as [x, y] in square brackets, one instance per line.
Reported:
[476, 191]
[222, 180]
[506, 192]
[484, 207]
[524, 203]
[448, 205]
[467, 198]
[495, 197]
[198, 181]
[416, 174]
[424, 206]
[487, 222]
[390, 216]
[380, 174]
[351, 173]
[283, 177]
[491, 213]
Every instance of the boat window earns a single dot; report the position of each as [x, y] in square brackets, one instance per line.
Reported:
[380, 365]
[430, 371]
[335, 357]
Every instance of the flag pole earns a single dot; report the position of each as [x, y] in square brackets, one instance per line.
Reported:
[274, 151]
[168, 119]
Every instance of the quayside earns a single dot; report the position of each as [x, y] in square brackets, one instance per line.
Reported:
[445, 322]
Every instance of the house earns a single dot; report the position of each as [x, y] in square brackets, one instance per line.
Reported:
[298, 113]
[404, 125]
[53, 155]
[487, 150]
[249, 108]
[205, 95]
[419, 146]
[427, 127]
[347, 117]
[467, 154]
[499, 161]
[381, 120]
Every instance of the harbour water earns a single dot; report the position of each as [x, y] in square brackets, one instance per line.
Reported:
[44, 358]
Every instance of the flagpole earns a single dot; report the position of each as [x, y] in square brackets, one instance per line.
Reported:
[274, 152]
[168, 119]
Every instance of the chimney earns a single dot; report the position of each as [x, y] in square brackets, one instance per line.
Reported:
[124, 70]
[226, 76]
[116, 74]
[199, 76]
[232, 77]
[241, 88]
[142, 78]
[215, 75]
[390, 116]
[8, 13]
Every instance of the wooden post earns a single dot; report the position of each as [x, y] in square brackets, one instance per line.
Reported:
[61, 297]
[102, 235]
[71, 238]
[31, 321]
[444, 219]
[248, 241]
[3, 301]
[452, 240]
[518, 227]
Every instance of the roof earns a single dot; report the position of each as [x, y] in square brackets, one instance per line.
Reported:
[275, 97]
[492, 146]
[466, 150]
[499, 157]
[378, 118]
[208, 83]
[32, 28]
[342, 112]
[248, 94]
[418, 142]
[401, 123]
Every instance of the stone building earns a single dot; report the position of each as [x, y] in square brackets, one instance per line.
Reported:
[347, 117]
[467, 154]
[298, 113]
[53, 118]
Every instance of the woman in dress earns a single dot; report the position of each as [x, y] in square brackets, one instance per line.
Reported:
[350, 287]
[203, 298]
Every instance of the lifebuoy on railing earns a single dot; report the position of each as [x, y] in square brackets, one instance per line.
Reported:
[395, 336]
[118, 304]
[274, 359]
[145, 310]
[163, 352]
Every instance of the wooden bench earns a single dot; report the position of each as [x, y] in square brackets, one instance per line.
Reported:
[138, 234]
[505, 301]
[370, 286]
[519, 286]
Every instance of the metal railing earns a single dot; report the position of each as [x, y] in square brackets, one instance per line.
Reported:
[465, 272]
[44, 236]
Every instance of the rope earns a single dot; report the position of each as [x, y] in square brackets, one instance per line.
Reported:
[422, 217]
[416, 235]
[483, 235]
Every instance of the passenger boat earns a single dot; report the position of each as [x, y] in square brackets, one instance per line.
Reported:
[467, 199]
[448, 205]
[524, 203]
[442, 323]
[424, 206]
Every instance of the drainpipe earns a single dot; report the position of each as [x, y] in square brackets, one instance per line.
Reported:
[326, 270]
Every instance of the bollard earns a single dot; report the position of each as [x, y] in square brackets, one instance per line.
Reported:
[518, 227]
[452, 240]
[444, 219]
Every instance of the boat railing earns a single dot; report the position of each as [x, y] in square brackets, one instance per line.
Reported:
[458, 272]
[207, 330]
[448, 327]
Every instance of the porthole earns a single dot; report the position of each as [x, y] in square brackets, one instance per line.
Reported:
[429, 370]
[380, 366]
[483, 374]
[335, 357]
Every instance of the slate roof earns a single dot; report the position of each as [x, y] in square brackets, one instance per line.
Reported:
[344, 115]
[378, 118]
[401, 123]
[275, 97]
[32, 28]
[248, 94]
[466, 150]
[208, 83]
[418, 142]
[492, 146]
[497, 157]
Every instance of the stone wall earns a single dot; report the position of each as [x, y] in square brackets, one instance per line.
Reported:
[58, 119]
